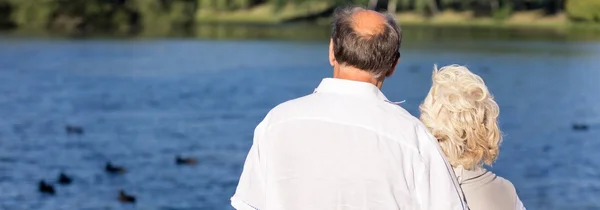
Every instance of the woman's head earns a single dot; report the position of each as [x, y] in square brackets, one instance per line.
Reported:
[462, 114]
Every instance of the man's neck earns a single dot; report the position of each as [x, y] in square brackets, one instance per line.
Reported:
[354, 74]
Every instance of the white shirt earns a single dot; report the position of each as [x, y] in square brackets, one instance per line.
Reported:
[345, 147]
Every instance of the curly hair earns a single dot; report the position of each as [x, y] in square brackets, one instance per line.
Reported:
[462, 115]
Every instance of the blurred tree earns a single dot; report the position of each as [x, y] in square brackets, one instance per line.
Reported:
[392, 5]
[403, 5]
[372, 4]
[433, 7]
[584, 10]
[6, 9]
[31, 13]
[555, 6]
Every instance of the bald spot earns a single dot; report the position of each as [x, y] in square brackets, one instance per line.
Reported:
[368, 22]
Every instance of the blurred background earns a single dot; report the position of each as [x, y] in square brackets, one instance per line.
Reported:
[159, 98]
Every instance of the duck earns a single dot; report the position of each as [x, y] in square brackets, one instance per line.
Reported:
[123, 197]
[113, 169]
[64, 179]
[72, 129]
[185, 161]
[580, 127]
[46, 188]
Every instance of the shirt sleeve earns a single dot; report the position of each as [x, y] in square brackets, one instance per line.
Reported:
[437, 188]
[250, 192]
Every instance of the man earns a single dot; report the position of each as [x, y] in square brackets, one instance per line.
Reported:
[346, 146]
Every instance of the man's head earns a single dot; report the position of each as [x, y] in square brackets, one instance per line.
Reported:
[366, 41]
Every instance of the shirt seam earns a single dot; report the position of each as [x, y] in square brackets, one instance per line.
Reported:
[236, 200]
[419, 180]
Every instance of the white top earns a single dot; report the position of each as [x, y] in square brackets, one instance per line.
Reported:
[345, 147]
[485, 190]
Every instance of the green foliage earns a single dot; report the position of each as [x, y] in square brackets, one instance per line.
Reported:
[278, 4]
[101, 15]
[584, 10]
[503, 13]
[31, 13]
[152, 14]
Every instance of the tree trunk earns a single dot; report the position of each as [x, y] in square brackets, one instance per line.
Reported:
[433, 7]
[372, 4]
[559, 5]
[392, 4]
[494, 5]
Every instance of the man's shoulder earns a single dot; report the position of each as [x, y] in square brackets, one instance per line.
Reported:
[385, 118]
[294, 104]
[312, 104]
[403, 113]
[290, 109]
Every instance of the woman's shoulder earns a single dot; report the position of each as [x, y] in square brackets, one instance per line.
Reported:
[505, 185]
[510, 189]
[489, 192]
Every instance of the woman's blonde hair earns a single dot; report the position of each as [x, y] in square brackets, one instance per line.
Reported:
[462, 114]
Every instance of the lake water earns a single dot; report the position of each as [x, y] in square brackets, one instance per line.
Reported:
[144, 101]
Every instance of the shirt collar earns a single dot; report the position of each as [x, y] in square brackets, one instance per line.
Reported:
[349, 87]
[463, 175]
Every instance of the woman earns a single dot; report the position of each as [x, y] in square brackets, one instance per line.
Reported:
[462, 114]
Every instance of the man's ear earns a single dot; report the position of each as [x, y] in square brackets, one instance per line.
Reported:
[332, 60]
[393, 69]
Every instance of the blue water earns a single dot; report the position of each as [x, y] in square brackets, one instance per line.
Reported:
[142, 102]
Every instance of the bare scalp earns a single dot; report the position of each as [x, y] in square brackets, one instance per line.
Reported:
[368, 23]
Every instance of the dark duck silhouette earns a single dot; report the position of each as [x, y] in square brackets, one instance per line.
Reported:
[75, 130]
[580, 127]
[64, 179]
[46, 188]
[123, 197]
[113, 169]
[185, 161]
